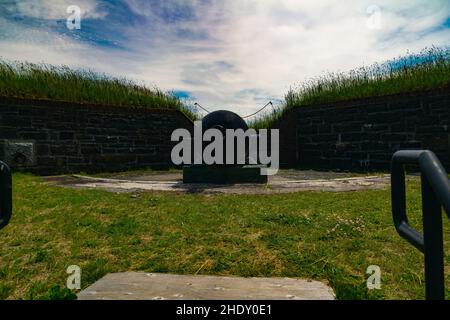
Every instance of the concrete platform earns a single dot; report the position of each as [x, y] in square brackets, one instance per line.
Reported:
[157, 286]
[277, 184]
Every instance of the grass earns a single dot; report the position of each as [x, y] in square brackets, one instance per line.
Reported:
[332, 237]
[43, 81]
[428, 69]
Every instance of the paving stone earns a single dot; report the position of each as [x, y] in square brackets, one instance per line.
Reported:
[157, 286]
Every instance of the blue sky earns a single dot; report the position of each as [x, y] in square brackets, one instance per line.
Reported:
[230, 54]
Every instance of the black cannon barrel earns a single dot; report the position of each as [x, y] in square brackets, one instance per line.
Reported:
[223, 120]
[233, 167]
[5, 194]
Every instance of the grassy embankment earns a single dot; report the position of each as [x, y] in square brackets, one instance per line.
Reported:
[42, 81]
[429, 69]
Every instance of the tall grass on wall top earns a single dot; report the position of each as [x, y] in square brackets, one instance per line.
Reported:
[42, 81]
[429, 69]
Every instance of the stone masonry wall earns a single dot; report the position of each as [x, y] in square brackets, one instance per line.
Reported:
[363, 134]
[359, 134]
[70, 137]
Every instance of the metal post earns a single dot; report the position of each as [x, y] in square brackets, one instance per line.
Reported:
[435, 195]
[433, 242]
[5, 194]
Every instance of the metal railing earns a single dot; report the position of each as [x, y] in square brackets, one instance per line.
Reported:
[5, 194]
[435, 195]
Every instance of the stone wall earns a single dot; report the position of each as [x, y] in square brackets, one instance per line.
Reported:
[48, 137]
[363, 134]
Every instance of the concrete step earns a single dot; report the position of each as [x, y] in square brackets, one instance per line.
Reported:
[151, 286]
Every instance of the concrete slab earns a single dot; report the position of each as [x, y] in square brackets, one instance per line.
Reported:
[157, 286]
[273, 186]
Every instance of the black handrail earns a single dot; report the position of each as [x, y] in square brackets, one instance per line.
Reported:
[435, 194]
[5, 194]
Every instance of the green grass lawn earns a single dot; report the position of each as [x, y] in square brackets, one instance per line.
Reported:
[326, 236]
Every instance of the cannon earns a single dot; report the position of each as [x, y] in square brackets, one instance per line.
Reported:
[223, 120]
[226, 173]
[5, 194]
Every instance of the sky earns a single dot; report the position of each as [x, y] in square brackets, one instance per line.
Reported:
[231, 54]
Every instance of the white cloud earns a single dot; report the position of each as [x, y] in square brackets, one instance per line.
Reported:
[236, 52]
